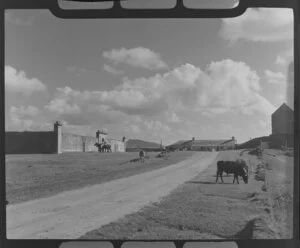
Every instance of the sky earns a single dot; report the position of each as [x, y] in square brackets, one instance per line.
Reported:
[149, 79]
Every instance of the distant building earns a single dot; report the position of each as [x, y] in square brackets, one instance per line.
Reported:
[210, 145]
[282, 127]
[204, 145]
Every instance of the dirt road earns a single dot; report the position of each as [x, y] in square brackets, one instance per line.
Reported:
[71, 214]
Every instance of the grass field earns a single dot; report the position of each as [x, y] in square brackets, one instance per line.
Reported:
[201, 209]
[30, 177]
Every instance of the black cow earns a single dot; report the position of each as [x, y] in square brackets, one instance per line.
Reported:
[238, 168]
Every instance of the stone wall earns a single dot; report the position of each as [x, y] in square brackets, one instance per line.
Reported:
[117, 145]
[54, 142]
[31, 142]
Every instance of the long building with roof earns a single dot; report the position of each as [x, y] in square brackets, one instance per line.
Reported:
[204, 145]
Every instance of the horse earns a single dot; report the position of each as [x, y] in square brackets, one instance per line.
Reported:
[99, 146]
[107, 147]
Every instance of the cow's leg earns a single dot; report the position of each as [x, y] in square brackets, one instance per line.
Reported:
[235, 177]
[221, 173]
[217, 176]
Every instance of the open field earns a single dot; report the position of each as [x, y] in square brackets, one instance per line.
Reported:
[201, 209]
[57, 217]
[31, 177]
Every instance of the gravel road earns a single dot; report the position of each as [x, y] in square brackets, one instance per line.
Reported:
[71, 214]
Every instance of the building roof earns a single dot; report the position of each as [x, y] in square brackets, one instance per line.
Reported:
[210, 142]
[179, 143]
[283, 108]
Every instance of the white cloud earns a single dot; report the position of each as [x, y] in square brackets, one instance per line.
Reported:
[23, 112]
[275, 77]
[137, 57]
[225, 86]
[61, 106]
[63, 103]
[112, 70]
[263, 24]
[285, 58]
[78, 129]
[280, 60]
[18, 82]
[174, 118]
[25, 118]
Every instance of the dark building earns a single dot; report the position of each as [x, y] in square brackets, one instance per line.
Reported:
[282, 127]
[283, 120]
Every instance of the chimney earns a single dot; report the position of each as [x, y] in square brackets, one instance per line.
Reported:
[58, 134]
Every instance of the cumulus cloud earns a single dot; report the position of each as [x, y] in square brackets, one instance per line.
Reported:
[18, 82]
[263, 24]
[137, 57]
[112, 70]
[25, 118]
[62, 104]
[224, 86]
[275, 77]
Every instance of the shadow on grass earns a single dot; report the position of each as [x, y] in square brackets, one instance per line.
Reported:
[229, 175]
[246, 232]
[198, 182]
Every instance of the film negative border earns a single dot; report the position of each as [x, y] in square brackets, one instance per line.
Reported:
[177, 12]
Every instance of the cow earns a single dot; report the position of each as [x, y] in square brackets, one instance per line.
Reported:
[238, 168]
[142, 155]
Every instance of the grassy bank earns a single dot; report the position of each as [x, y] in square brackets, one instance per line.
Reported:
[34, 176]
[279, 179]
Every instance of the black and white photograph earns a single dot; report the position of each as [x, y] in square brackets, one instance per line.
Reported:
[149, 129]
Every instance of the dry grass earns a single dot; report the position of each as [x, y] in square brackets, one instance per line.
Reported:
[199, 209]
[280, 194]
[34, 176]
